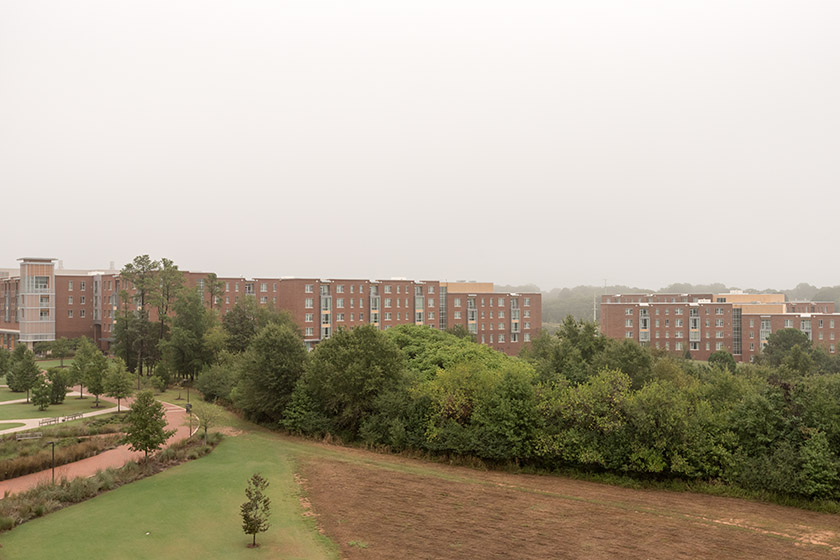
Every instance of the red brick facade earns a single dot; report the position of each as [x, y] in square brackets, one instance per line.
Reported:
[87, 304]
[704, 323]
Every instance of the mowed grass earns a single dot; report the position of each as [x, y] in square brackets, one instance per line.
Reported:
[9, 425]
[7, 395]
[23, 411]
[47, 364]
[190, 511]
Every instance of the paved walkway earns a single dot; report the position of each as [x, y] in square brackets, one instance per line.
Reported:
[176, 418]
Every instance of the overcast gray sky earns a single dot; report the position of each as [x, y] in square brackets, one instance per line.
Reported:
[556, 143]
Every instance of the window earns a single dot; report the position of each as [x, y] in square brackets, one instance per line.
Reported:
[352, 302]
[339, 289]
[310, 317]
[361, 303]
[718, 322]
[527, 304]
[263, 299]
[788, 323]
[457, 314]
[388, 289]
[752, 334]
[387, 302]
[70, 286]
[387, 315]
[821, 323]
[678, 322]
[678, 311]
[339, 303]
[501, 338]
[501, 314]
[309, 331]
[361, 316]
[399, 316]
[308, 303]
[69, 300]
[527, 337]
[719, 334]
[307, 288]
[82, 313]
[431, 289]
[628, 323]
[456, 302]
[83, 286]
[628, 310]
[431, 302]
[81, 300]
[719, 346]
[527, 314]
[263, 286]
[430, 315]
[628, 334]
[274, 287]
[831, 348]
[69, 314]
[678, 346]
[718, 310]
[399, 287]
[227, 300]
[340, 317]
[831, 323]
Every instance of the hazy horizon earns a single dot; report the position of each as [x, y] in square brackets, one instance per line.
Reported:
[552, 143]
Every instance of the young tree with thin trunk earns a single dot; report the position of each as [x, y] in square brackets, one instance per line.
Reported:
[60, 349]
[94, 377]
[146, 424]
[26, 372]
[41, 393]
[85, 357]
[215, 287]
[256, 510]
[118, 382]
[142, 273]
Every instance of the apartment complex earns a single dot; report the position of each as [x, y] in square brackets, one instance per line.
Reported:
[704, 323]
[41, 302]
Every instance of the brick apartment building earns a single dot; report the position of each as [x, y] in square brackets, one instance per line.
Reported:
[704, 323]
[40, 302]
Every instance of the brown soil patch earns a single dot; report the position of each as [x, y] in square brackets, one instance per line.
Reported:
[397, 508]
[228, 431]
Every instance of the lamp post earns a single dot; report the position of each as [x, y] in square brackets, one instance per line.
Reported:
[53, 460]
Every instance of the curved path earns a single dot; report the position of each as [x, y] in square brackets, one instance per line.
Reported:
[176, 418]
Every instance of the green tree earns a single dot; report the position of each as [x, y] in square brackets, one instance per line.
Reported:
[780, 343]
[461, 332]
[349, 370]
[118, 382]
[269, 370]
[61, 348]
[723, 360]
[209, 416]
[215, 288]
[246, 318]
[186, 352]
[25, 372]
[256, 510]
[58, 384]
[85, 357]
[94, 375]
[5, 362]
[146, 424]
[41, 393]
[142, 274]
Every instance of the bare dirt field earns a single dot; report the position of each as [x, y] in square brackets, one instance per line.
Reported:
[382, 507]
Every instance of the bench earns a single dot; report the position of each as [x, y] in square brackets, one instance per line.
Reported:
[47, 421]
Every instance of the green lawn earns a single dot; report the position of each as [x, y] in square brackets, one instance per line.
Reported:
[7, 425]
[21, 411]
[190, 511]
[47, 364]
[7, 395]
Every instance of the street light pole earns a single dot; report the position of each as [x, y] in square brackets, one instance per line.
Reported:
[53, 460]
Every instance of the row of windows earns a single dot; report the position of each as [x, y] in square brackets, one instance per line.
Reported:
[70, 300]
[678, 346]
[677, 334]
[82, 286]
[81, 313]
[677, 311]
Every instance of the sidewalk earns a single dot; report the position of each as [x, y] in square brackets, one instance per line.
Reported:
[175, 418]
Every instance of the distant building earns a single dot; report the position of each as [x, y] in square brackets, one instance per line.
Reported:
[39, 302]
[704, 323]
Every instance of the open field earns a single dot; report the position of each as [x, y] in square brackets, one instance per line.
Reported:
[21, 411]
[383, 506]
[389, 508]
[190, 511]
[9, 425]
[7, 395]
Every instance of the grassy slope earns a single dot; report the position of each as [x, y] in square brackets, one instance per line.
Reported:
[7, 395]
[191, 511]
[20, 411]
[8, 425]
